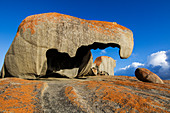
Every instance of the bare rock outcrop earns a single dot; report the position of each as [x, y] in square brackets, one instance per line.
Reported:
[20, 96]
[146, 75]
[97, 94]
[105, 65]
[57, 43]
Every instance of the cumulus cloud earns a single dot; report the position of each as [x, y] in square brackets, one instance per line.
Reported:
[129, 70]
[158, 63]
[158, 59]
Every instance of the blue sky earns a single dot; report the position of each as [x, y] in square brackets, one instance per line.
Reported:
[148, 19]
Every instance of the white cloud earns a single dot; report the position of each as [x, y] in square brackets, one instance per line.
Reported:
[133, 65]
[158, 63]
[129, 70]
[158, 59]
[137, 64]
[103, 52]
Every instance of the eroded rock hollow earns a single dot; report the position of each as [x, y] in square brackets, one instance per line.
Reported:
[57, 43]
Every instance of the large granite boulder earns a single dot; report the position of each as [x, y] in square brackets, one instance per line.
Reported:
[146, 75]
[105, 65]
[57, 43]
[97, 94]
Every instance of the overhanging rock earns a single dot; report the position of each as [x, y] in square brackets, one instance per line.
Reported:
[57, 43]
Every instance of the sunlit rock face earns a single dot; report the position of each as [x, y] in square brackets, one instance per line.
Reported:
[104, 65]
[57, 43]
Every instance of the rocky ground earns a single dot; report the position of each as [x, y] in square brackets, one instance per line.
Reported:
[98, 94]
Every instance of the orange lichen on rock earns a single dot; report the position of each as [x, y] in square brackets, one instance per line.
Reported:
[109, 25]
[107, 94]
[127, 99]
[19, 96]
[72, 95]
[144, 86]
[32, 21]
[98, 61]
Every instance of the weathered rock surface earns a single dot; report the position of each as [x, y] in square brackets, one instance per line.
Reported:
[20, 96]
[56, 43]
[146, 75]
[105, 65]
[101, 94]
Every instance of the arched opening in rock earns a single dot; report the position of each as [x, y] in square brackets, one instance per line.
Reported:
[105, 61]
[109, 51]
[82, 61]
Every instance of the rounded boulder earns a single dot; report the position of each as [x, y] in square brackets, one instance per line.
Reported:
[146, 75]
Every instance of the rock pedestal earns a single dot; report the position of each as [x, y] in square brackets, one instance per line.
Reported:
[105, 65]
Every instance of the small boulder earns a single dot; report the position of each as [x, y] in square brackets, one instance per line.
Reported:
[94, 69]
[103, 73]
[146, 75]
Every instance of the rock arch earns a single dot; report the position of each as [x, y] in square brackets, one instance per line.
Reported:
[72, 37]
